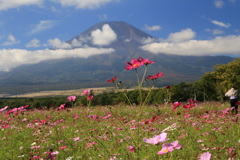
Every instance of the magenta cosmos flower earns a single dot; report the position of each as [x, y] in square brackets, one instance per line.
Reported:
[113, 79]
[145, 61]
[135, 63]
[71, 98]
[169, 147]
[155, 76]
[157, 139]
[90, 97]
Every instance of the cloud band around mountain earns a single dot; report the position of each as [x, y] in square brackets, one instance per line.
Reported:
[228, 45]
[15, 57]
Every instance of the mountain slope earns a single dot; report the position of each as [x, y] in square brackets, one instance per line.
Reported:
[89, 72]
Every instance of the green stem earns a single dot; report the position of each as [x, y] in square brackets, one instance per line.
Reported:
[148, 95]
[139, 87]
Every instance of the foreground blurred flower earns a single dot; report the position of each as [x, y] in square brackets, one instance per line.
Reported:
[157, 139]
[205, 156]
[71, 98]
[169, 147]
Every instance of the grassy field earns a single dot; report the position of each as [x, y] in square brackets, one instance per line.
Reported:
[121, 132]
[76, 92]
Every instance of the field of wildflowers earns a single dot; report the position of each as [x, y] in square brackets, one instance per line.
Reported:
[175, 131]
[121, 132]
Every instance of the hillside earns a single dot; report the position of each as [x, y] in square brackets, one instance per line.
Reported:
[75, 73]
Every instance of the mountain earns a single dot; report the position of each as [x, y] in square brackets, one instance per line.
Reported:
[94, 71]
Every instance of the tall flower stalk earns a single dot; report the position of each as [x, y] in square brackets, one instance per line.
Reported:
[119, 87]
[89, 96]
[135, 64]
[72, 99]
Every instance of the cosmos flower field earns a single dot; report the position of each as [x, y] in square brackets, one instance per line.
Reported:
[173, 130]
[121, 132]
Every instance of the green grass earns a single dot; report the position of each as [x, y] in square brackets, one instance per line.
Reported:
[205, 130]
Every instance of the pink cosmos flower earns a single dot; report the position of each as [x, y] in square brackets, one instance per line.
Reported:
[226, 111]
[135, 63]
[61, 106]
[90, 144]
[71, 98]
[86, 92]
[157, 139]
[35, 147]
[131, 149]
[176, 104]
[106, 117]
[75, 139]
[165, 150]
[51, 156]
[113, 79]
[93, 116]
[155, 76]
[205, 156]
[186, 116]
[3, 109]
[169, 147]
[36, 157]
[145, 61]
[230, 150]
[90, 97]
[16, 110]
[189, 105]
[63, 147]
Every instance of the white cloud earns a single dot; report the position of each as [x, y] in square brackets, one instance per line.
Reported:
[16, 57]
[215, 31]
[221, 24]
[152, 28]
[83, 4]
[103, 37]
[33, 43]
[58, 44]
[11, 40]
[76, 43]
[8, 4]
[228, 45]
[148, 40]
[181, 36]
[43, 25]
[219, 3]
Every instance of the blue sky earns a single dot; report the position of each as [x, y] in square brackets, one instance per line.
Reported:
[184, 27]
